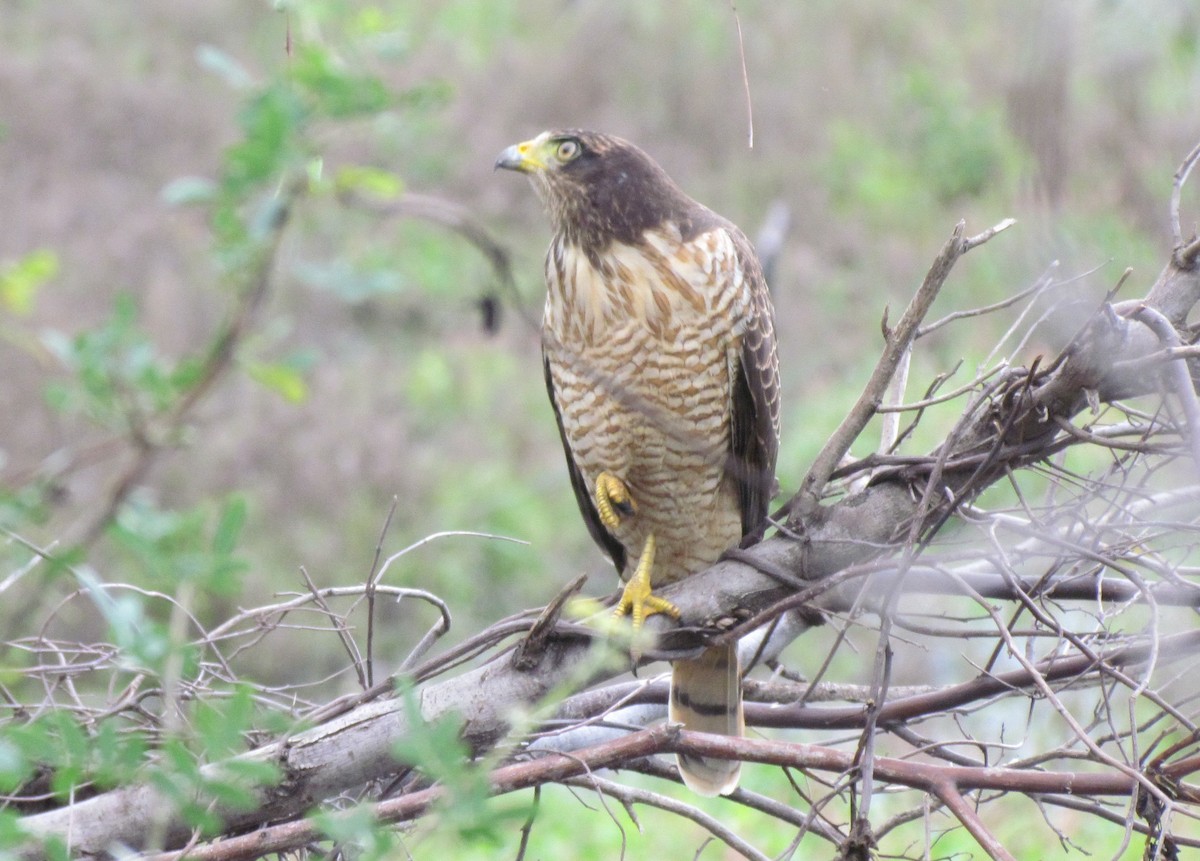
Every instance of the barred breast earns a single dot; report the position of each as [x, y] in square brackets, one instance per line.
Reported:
[642, 349]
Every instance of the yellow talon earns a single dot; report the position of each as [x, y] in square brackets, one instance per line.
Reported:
[612, 500]
[637, 599]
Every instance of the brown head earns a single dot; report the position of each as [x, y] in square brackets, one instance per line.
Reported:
[599, 188]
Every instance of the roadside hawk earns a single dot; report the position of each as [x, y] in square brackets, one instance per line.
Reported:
[659, 352]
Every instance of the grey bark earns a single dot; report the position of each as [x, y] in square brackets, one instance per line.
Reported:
[1018, 425]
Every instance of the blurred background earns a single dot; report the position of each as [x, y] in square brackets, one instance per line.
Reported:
[372, 374]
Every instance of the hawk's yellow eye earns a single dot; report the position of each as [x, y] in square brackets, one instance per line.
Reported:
[567, 150]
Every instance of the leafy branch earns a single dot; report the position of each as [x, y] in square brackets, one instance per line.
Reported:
[1107, 543]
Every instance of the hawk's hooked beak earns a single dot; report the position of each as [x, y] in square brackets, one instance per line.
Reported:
[523, 157]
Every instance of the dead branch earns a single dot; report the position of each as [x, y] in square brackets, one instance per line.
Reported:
[1015, 421]
[898, 341]
[666, 739]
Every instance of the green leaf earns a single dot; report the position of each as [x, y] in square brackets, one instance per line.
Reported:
[229, 526]
[435, 747]
[438, 749]
[12, 835]
[281, 378]
[119, 378]
[19, 745]
[117, 755]
[346, 826]
[187, 373]
[221, 722]
[372, 181]
[238, 779]
[337, 92]
[70, 751]
[20, 281]
[358, 827]
[269, 122]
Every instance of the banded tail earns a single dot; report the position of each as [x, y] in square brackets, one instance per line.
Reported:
[706, 696]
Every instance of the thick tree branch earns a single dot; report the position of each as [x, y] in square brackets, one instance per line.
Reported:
[1018, 423]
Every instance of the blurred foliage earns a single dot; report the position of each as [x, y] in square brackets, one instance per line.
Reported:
[365, 378]
[118, 381]
[115, 379]
[940, 150]
[467, 810]
[20, 280]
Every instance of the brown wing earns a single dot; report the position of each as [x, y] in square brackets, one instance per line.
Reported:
[754, 437]
[587, 507]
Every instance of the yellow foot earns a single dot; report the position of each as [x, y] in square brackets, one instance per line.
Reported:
[612, 500]
[637, 599]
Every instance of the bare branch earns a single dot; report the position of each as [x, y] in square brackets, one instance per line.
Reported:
[1094, 564]
[897, 343]
[1184, 256]
[1177, 372]
[949, 795]
[629, 795]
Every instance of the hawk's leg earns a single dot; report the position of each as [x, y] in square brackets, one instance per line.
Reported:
[612, 500]
[637, 599]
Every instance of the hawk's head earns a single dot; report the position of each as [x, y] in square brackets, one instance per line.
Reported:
[599, 188]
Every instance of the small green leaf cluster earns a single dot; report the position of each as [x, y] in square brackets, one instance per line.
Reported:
[157, 702]
[117, 378]
[21, 280]
[437, 749]
[195, 770]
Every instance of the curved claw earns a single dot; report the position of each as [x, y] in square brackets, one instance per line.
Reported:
[612, 500]
[637, 599]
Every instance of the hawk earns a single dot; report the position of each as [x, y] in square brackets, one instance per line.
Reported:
[659, 352]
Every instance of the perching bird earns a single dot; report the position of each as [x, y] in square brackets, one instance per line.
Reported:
[659, 352]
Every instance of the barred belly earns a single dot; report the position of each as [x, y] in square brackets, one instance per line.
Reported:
[643, 373]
